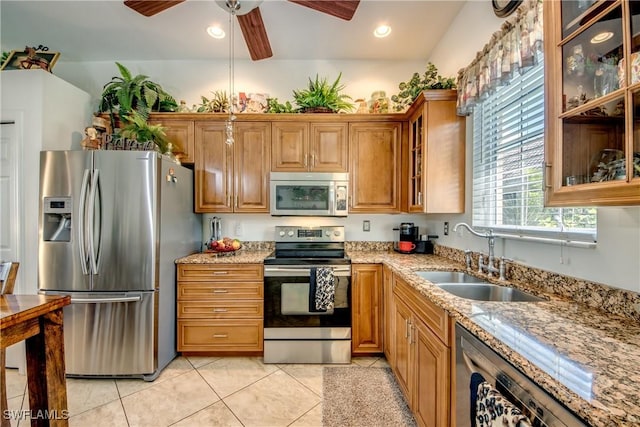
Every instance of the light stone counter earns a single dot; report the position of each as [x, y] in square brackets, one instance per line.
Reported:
[601, 350]
[591, 357]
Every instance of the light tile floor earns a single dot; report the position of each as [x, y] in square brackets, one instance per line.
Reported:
[196, 391]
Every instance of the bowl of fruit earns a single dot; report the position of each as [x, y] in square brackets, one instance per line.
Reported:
[224, 245]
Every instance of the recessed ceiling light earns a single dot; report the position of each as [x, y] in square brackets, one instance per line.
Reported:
[601, 37]
[215, 32]
[382, 31]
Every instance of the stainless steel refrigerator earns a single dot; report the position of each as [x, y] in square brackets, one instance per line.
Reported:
[112, 224]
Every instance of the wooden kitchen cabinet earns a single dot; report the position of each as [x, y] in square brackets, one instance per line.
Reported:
[220, 308]
[387, 310]
[232, 178]
[366, 297]
[436, 175]
[181, 133]
[375, 167]
[421, 358]
[592, 104]
[309, 147]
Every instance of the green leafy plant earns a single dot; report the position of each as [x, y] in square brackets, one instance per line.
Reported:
[410, 90]
[127, 93]
[273, 106]
[5, 56]
[320, 95]
[136, 127]
[218, 104]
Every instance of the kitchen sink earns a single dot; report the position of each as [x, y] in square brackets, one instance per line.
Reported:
[488, 292]
[449, 277]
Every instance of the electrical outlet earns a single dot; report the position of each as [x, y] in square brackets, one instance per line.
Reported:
[366, 225]
[446, 228]
[238, 229]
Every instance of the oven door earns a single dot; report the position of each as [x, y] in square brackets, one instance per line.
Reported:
[286, 298]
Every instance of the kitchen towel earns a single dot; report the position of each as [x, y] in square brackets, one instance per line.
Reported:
[325, 288]
[313, 285]
[493, 410]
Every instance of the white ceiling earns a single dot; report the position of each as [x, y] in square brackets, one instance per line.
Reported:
[106, 30]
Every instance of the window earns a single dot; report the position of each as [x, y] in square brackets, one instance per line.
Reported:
[508, 155]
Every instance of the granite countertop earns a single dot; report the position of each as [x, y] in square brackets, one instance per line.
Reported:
[586, 358]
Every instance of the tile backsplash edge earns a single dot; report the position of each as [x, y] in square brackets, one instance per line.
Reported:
[597, 295]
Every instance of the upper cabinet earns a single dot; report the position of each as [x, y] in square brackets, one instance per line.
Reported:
[181, 135]
[375, 172]
[436, 154]
[302, 147]
[592, 98]
[232, 178]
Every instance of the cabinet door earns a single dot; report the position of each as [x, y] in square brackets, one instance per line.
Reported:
[329, 147]
[252, 160]
[416, 159]
[366, 309]
[375, 159]
[290, 147]
[181, 134]
[213, 168]
[402, 347]
[591, 103]
[431, 377]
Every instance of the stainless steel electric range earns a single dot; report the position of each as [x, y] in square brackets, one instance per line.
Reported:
[294, 332]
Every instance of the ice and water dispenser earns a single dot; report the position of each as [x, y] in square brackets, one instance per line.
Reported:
[56, 221]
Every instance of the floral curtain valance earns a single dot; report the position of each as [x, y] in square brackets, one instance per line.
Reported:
[512, 50]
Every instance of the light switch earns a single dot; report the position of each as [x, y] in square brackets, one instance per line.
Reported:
[366, 225]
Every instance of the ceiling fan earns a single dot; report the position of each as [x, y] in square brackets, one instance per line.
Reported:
[250, 18]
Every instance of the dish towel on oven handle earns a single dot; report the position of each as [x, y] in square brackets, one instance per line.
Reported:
[312, 291]
[325, 288]
[493, 409]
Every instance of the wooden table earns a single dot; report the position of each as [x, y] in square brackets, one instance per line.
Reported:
[38, 320]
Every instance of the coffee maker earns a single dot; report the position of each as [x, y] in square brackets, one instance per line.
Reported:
[407, 232]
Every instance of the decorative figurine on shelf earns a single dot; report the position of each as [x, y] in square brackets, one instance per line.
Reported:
[91, 142]
[363, 108]
[32, 59]
[182, 108]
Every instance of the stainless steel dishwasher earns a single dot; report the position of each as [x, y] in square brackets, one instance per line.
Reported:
[472, 355]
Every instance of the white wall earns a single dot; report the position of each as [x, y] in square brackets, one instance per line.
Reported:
[616, 259]
[188, 80]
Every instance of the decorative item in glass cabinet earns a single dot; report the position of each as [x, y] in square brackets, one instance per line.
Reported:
[608, 165]
[605, 79]
[575, 62]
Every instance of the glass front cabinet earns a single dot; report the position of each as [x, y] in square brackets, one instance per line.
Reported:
[592, 70]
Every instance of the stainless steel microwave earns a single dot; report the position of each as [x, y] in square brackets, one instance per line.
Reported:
[309, 193]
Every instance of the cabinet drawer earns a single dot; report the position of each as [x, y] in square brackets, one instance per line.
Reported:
[433, 316]
[220, 272]
[220, 335]
[222, 290]
[249, 309]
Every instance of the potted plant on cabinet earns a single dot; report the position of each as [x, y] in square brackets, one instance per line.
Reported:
[138, 129]
[321, 97]
[410, 90]
[127, 93]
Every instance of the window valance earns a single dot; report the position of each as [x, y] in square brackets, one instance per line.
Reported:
[516, 47]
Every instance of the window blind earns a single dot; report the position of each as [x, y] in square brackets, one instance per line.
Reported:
[508, 153]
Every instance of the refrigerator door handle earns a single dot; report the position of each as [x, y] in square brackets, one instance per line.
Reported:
[82, 222]
[104, 300]
[93, 257]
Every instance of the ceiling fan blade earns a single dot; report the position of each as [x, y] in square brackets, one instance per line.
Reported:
[151, 7]
[255, 35]
[343, 9]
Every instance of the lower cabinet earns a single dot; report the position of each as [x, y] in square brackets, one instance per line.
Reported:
[421, 355]
[220, 308]
[366, 309]
[387, 309]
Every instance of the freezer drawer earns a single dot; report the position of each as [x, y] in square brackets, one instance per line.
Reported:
[110, 334]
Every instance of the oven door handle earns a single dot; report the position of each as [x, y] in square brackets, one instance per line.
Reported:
[304, 271]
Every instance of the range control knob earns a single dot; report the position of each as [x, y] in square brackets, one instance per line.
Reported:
[290, 233]
[281, 233]
[336, 233]
[327, 233]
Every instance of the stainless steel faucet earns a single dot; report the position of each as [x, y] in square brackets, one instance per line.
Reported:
[491, 238]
